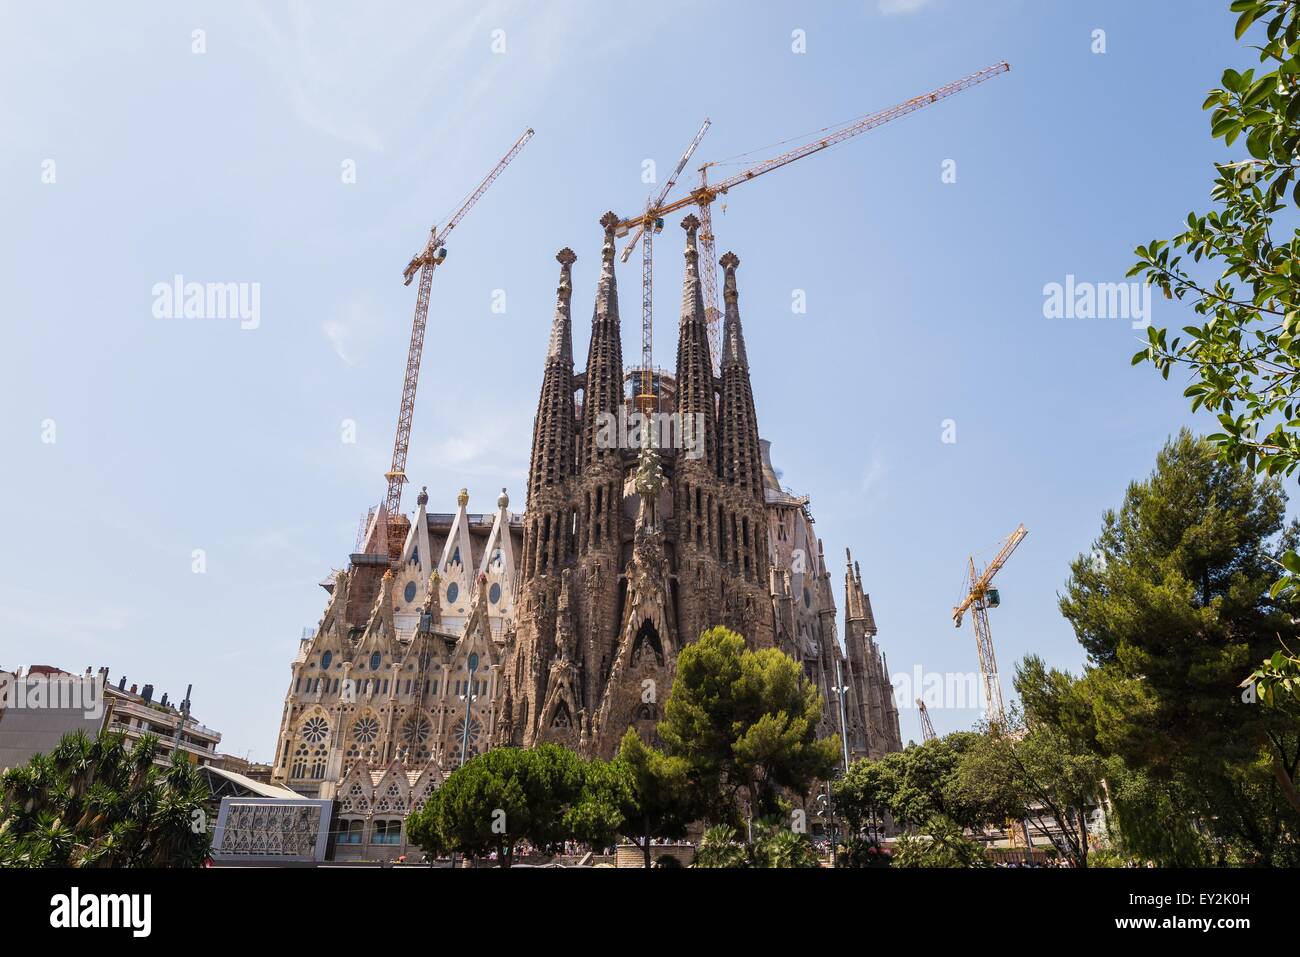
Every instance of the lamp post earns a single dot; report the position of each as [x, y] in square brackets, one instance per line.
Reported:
[840, 690]
[468, 698]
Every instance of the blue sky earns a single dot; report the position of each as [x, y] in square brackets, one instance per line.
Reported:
[924, 298]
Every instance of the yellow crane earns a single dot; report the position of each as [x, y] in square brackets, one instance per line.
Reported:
[425, 262]
[980, 597]
[651, 226]
[703, 196]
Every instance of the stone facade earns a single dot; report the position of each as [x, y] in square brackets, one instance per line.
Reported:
[627, 551]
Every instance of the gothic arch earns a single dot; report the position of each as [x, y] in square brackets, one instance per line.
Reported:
[647, 639]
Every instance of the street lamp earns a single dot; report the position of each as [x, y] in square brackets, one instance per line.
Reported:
[468, 697]
[841, 690]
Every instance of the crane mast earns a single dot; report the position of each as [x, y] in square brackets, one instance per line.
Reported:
[650, 225]
[927, 726]
[425, 262]
[704, 195]
[979, 598]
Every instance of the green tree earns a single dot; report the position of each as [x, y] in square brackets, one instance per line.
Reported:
[1045, 782]
[1172, 604]
[745, 722]
[944, 844]
[862, 796]
[773, 846]
[721, 847]
[660, 804]
[497, 799]
[1243, 356]
[96, 803]
[606, 805]
[920, 783]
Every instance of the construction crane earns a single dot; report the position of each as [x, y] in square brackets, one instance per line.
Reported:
[979, 598]
[704, 195]
[425, 262]
[927, 726]
[650, 226]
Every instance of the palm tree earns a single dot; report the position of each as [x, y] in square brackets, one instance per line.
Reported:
[96, 803]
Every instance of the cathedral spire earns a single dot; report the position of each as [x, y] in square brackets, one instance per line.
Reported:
[741, 457]
[695, 390]
[603, 380]
[553, 438]
[853, 598]
[561, 347]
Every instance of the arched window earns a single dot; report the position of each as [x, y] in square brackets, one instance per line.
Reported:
[375, 660]
[326, 658]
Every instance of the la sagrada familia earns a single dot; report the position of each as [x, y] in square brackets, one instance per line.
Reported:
[449, 634]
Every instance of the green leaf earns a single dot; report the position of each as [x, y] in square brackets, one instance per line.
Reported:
[1246, 19]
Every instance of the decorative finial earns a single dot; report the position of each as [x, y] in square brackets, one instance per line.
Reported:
[729, 261]
[463, 498]
[503, 499]
[691, 224]
[609, 221]
[566, 257]
[423, 497]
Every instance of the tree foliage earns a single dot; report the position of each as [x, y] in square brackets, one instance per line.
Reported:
[1172, 604]
[942, 844]
[1242, 358]
[745, 723]
[773, 846]
[659, 803]
[497, 799]
[97, 803]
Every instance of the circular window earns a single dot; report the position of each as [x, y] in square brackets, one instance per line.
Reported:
[409, 593]
[452, 591]
[375, 661]
[494, 593]
[366, 729]
[326, 658]
[315, 730]
[417, 730]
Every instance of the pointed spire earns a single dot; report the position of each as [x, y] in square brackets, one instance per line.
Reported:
[741, 460]
[553, 429]
[561, 346]
[603, 381]
[733, 340]
[853, 598]
[695, 386]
